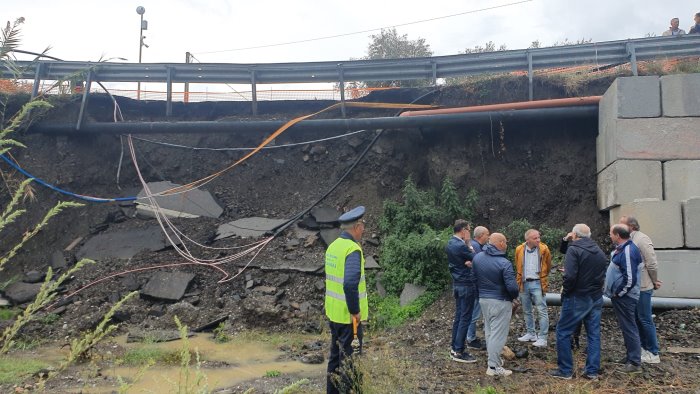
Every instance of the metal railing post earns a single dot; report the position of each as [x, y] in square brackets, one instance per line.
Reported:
[341, 85]
[169, 92]
[83, 104]
[529, 76]
[37, 80]
[434, 67]
[633, 58]
[254, 93]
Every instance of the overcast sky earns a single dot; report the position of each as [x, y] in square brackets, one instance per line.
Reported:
[89, 29]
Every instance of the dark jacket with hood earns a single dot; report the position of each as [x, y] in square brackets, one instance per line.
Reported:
[584, 269]
[494, 275]
[457, 254]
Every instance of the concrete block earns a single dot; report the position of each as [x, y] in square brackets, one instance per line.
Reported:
[650, 139]
[627, 180]
[679, 95]
[691, 222]
[681, 179]
[632, 97]
[660, 220]
[679, 270]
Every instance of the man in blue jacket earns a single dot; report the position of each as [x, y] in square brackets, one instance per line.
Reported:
[498, 292]
[479, 240]
[622, 286]
[459, 258]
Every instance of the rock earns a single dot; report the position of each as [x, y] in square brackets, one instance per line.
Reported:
[310, 240]
[291, 244]
[190, 204]
[249, 284]
[318, 150]
[312, 358]
[508, 354]
[267, 290]
[58, 261]
[313, 327]
[308, 223]
[305, 306]
[4, 302]
[129, 283]
[212, 324]
[305, 158]
[380, 289]
[194, 301]
[295, 305]
[113, 298]
[156, 311]
[281, 280]
[248, 277]
[170, 286]
[20, 292]
[121, 316]
[328, 235]
[123, 244]
[371, 263]
[33, 277]
[320, 285]
[410, 293]
[522, 353]
[248, 227]
[60, 310]
[325, 215]
[372, 241]
[355, 142]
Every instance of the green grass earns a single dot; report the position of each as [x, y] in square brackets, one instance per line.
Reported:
[272, 373]
[143, 355]
[387, 312]
[15, 370]
[8, 313]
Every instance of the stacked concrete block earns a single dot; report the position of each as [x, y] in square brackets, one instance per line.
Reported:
[678, 269]
[629, 180]
[679, 95]
[681, 179]
[691, 222]
[660, 220]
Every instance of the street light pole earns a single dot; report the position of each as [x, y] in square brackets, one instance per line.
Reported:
[140, 10]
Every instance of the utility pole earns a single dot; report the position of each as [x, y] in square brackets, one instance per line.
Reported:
[188, 60]
[144, 26]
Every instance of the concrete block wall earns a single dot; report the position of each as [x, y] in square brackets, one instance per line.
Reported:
[648, 162]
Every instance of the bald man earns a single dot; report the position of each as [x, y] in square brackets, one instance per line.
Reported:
[498, 291]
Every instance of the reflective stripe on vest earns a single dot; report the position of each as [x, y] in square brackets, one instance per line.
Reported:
[335, 302]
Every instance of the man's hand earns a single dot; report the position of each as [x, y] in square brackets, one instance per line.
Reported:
[569, 236]
[657, 284]
[468, 264]
[356, 318]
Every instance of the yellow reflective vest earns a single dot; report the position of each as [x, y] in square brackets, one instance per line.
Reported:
[336, 306]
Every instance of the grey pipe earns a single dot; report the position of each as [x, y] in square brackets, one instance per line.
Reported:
[554, 299]
[326, 125]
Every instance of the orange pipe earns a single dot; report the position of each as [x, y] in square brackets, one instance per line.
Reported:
[565, 102]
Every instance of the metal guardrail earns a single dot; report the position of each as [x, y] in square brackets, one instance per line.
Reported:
[430, 68]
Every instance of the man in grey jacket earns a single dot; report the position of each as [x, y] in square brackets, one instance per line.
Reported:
[649, 283]
[498, 292]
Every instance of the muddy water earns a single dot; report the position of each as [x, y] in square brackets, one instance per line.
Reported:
[243, 361]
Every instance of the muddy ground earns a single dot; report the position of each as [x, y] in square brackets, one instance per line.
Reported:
[540, 171]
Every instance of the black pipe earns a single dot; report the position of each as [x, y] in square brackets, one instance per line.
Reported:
[446, 120]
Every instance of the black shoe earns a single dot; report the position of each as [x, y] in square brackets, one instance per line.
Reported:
[589, 376]
[476, 344]
[631, 368]
[555, 373]
[463, 357]
[622, 361]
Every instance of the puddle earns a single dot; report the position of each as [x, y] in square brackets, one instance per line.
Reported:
[233, 363]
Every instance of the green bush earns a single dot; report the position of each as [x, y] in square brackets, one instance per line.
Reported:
[515, 233]
[415, 232]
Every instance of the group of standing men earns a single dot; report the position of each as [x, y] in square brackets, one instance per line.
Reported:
[675, 30]
[483, 276]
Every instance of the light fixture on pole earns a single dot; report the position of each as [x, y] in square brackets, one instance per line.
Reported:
[144, 26]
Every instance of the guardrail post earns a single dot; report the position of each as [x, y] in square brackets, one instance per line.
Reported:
[341, 85]
[254, 92]
[169, 92]
[434, 67]
[529, 75]
[83, 104]
[37, 80]
[633, 58]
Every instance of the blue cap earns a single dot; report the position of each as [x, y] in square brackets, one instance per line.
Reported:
[352, 215]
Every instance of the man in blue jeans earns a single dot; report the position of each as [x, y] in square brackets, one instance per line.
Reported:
[478, 242]
[582, 301]
[649, 283]
[459, 258]
[622, 286]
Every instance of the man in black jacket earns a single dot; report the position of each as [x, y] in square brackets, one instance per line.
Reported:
[459, 258]
[581, 301]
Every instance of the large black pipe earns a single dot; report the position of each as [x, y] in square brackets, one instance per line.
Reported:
[523, 115]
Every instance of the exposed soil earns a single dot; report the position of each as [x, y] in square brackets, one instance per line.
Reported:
[543, 172]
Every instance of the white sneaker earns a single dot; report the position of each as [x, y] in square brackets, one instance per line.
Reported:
[650, 358]
[528, 338]
[540, 342]
[498, 371]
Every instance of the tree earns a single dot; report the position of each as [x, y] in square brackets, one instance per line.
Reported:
[388, 44]
[488, 47]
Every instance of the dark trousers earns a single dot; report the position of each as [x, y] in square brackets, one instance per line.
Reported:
[339, 362]
[464, 305]
[626, 312]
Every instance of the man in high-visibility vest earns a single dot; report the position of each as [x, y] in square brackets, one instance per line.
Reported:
[346, 297]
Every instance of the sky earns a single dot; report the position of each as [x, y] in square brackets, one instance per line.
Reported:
[89, 30]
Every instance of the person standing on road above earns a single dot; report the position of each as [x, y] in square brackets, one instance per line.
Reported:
[581, 301]
[622, 286]
[674, 30]
[459, 259]
[346, 297]
[695, 29]
[649, 283]
[532, 264]
[498, 292]
[479, 240]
